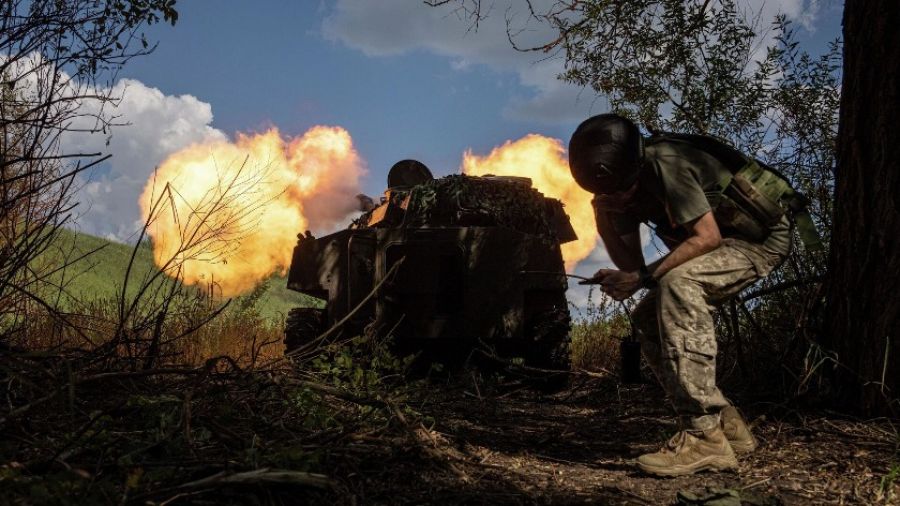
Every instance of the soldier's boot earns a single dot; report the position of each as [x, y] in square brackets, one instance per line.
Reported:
[737, 431]
[689, 452]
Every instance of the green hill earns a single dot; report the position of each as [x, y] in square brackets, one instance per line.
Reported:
[97, 268]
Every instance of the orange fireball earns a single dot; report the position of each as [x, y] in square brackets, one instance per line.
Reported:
[226, 214]
[543, 160]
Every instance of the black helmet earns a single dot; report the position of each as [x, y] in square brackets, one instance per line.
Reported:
[605, 153]
[408, 173]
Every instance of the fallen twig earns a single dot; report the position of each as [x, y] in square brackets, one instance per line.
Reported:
[263, 476]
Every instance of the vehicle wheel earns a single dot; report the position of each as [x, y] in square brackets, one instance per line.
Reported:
[302, 326]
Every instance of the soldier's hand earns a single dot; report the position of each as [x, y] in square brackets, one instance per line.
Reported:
[617, 284]
[597, 278]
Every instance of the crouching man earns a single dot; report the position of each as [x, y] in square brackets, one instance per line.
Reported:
[686, 189]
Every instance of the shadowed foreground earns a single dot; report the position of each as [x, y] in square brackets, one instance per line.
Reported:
[576, 446]
[222, 435]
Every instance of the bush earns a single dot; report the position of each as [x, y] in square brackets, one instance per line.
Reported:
[596, 333]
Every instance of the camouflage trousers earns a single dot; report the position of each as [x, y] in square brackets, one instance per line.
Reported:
[675, 324]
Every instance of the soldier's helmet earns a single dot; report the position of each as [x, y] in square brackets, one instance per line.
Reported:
[605, 154]
[408, 173]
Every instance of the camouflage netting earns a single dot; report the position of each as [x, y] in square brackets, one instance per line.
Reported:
[465, 201]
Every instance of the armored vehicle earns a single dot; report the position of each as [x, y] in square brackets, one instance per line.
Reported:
[444, 266]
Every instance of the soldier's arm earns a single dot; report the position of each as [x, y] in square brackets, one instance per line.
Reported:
[705, 237]
[624, 249]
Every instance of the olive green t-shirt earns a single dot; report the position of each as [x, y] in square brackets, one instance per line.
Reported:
[673, 192]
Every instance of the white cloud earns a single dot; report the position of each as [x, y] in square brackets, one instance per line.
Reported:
[147, 125]
[555, 101]
[153, 125]
[391, 27]
[804, 12]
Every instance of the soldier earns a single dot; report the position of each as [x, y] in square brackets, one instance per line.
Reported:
[677, 184]
[408, 173]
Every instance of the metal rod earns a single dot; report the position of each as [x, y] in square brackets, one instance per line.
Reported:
[566, 274]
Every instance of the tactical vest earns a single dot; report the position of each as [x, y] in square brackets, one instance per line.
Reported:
[752, 197]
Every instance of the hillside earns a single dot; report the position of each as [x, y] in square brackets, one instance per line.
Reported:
[98, 267]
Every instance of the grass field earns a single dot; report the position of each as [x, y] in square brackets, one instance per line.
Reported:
[98, 269]
[94, 280]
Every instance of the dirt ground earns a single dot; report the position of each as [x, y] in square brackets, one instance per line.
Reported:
[458, 441]
[517, 446]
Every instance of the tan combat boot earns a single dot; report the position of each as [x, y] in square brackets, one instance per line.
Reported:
[736, 430]
[691, 452]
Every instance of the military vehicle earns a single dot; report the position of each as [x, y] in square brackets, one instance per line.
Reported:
[444, 266]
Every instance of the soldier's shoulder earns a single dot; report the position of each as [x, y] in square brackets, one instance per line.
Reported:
[673, 154]
[665, 145]
[667, 154]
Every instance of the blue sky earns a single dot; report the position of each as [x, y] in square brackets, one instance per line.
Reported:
[272, 63]
[406, 80]
[274, 66]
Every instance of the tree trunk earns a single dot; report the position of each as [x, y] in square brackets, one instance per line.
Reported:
[863, 317]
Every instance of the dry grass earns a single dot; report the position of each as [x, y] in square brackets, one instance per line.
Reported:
[212, 419]
[192, 332]
[596, 334]
[191, 407]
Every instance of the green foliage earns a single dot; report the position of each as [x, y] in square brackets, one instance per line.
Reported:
[57, 56]
[143, 434]
[92, 36]
[670, 64]
[95, 277]
[888, 483]
[710, 67]
[597, 331]
[700, 67]
[805, 103]
[360, 365]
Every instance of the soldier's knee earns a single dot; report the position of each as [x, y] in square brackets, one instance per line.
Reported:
[675, 280]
